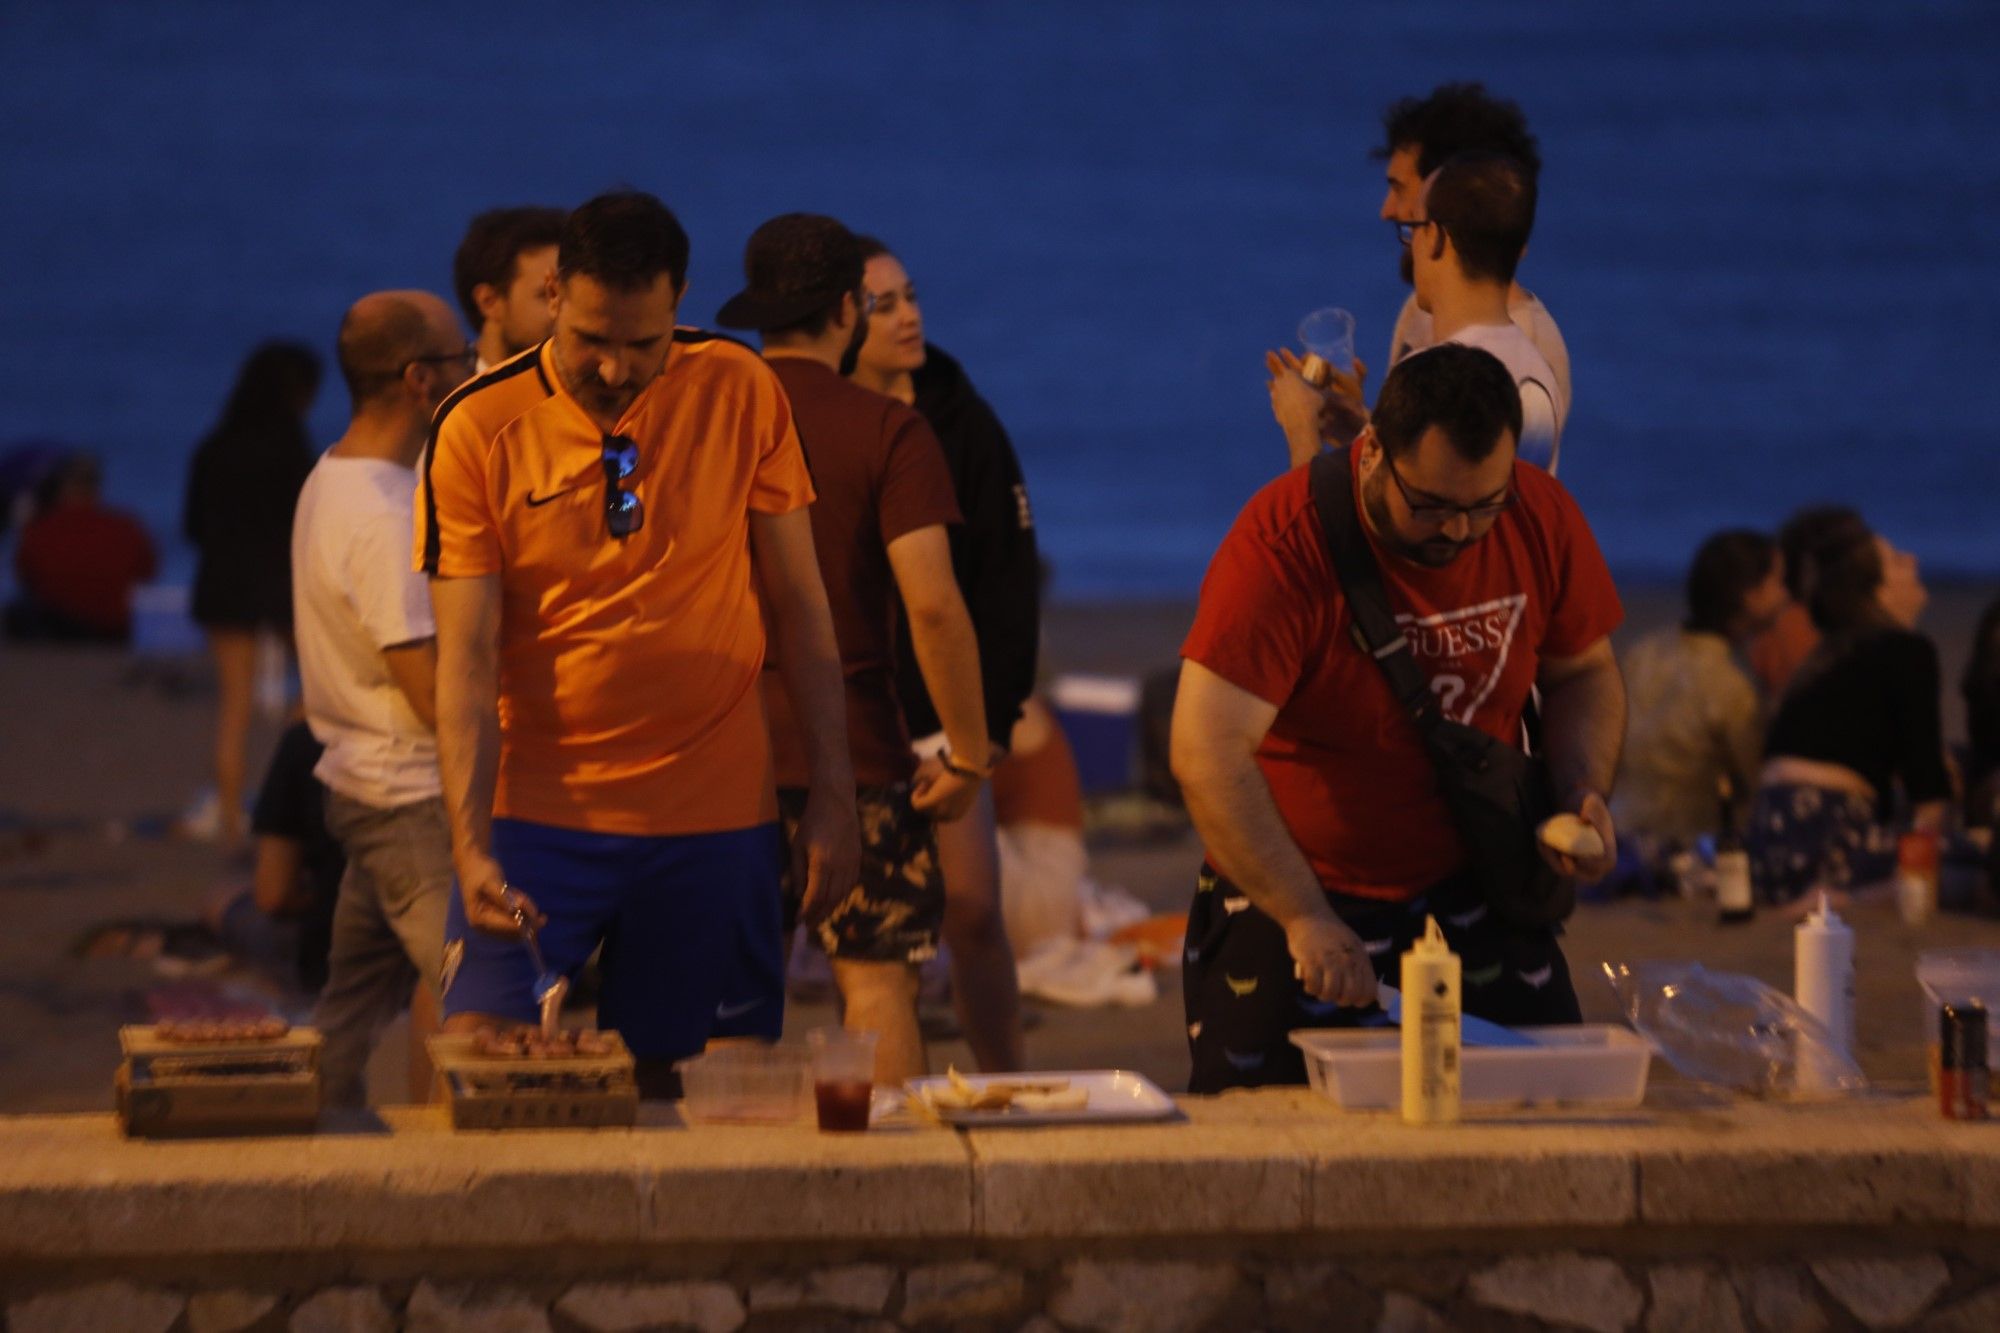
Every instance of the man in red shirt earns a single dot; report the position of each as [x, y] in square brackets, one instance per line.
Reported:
[1328, 840]
[78, 562]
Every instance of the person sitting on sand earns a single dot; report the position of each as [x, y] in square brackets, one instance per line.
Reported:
[283, 923]
[1860, 722]
[1695, 718]
[78, 562]
[1779, 649]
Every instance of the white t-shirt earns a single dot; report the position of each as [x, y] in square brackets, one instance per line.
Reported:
[354, 595]
[1542, 414]
[1413, 333]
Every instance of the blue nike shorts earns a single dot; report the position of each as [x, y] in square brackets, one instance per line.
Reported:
[692, 928]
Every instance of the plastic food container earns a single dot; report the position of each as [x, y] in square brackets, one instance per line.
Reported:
[1590, 1065]
[757, 1085]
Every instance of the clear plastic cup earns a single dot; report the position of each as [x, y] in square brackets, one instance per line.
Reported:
[843, 1065]
[1328, 337]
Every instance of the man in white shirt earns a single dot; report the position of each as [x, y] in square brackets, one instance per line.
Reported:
[1478, 210]
[368, 664]
[1420, 134]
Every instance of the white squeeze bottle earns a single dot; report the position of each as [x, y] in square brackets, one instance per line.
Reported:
[1823, 984]
[1430, 1030]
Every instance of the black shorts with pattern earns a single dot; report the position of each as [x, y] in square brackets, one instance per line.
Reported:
[1243, 1000]
[894, 914]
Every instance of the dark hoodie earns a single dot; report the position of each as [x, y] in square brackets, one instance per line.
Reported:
[992, 553]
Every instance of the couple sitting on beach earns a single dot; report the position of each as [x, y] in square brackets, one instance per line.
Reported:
[1841, 746]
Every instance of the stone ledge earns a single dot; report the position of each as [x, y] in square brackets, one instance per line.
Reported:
[1274, 1163]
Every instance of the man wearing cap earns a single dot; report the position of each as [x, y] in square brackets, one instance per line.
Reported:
[589, 518]
[885, 499]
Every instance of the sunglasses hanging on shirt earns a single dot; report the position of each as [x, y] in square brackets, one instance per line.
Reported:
[623, 512]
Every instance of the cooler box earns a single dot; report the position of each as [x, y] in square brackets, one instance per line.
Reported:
[1100, 716]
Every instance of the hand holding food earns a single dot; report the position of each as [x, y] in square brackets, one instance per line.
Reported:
[1568, 834]
[1583, 845]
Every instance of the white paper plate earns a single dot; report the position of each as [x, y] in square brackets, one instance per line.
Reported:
[1116, 1096]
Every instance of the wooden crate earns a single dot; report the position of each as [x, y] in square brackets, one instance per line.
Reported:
[580, 1092]
[177, 1089]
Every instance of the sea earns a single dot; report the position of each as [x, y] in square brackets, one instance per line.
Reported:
[1769, 232]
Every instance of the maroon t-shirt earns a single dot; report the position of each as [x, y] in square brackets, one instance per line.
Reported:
[880, 474]
[82, 561]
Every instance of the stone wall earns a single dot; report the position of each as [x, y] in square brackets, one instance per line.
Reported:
[1553, 1289]
[1260, 1211]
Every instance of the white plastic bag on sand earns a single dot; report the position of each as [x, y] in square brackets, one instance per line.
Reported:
[1042, 871]
[1733, 1031]
[1087, 974]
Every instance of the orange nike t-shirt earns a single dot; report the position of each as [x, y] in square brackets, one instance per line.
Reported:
[628, 668]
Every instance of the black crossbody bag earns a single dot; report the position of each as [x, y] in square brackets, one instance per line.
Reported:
[1498, 794]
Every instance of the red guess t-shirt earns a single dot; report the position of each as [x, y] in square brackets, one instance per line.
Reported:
[1345, 765]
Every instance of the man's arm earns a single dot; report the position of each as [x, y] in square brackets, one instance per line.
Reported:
[1583, 731]
[413, 666]
[1217, 729]
[467, 611]
[826, 854]
[274, 884]
[948, 655]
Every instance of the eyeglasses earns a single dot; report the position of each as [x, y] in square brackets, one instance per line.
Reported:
[1407, 231]
[623, 512]
[1441, 514]
[865, 300]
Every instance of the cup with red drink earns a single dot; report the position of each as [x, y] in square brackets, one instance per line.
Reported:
[843, 1065]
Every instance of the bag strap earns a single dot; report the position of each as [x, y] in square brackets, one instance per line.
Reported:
[1373, 624]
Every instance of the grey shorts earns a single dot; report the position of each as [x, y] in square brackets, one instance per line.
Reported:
[388, 928]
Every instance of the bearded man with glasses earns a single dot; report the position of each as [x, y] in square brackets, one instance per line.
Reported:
[609, 520]
[1328, 835]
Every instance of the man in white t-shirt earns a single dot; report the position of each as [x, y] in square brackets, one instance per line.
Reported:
[1478, 209]
[1419, 134]
[368, 663]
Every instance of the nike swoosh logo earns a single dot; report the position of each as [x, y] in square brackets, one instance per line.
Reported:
[537, 501]
[728, 1011]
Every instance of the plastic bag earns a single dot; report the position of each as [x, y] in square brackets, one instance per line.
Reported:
[1733, 1031]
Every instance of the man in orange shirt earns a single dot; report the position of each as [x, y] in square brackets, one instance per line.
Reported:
[589, 517]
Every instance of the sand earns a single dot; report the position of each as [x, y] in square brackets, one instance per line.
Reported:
[96, 750]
